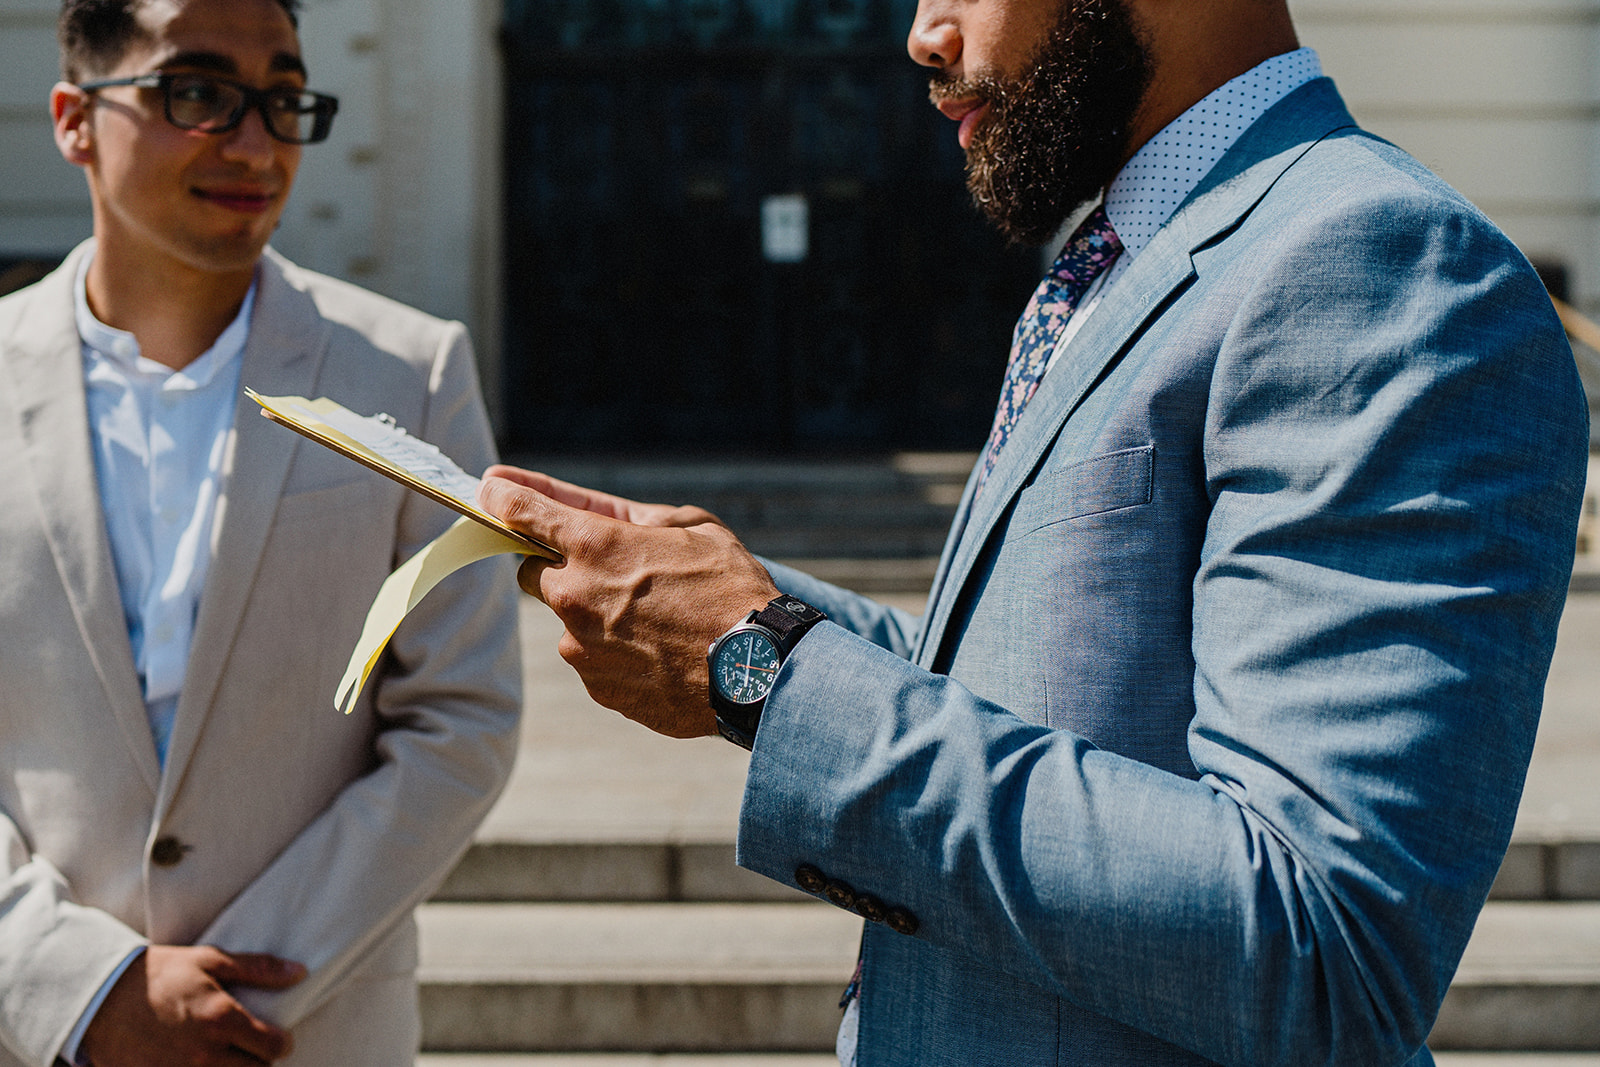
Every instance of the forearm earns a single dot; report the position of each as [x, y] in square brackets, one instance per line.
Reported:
[385, 843]
[1159, 901]
[55, 954]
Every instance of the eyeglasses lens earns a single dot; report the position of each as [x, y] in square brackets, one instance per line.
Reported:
[199, 103]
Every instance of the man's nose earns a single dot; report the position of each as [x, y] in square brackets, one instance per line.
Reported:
[935, 38]
[250, 140]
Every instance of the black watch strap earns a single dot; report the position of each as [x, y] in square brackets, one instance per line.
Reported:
[789, 618]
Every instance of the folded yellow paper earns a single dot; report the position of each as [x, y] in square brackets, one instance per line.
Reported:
[465, 542]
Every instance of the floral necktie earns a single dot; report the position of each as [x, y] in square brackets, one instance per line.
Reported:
[1091, 249]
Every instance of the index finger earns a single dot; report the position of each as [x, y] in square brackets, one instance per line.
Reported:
[576, 496]
[254, 1037]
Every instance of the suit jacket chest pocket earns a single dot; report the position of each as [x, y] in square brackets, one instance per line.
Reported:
[1094, 486]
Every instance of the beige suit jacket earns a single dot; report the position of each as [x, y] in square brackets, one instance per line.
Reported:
[302, 832]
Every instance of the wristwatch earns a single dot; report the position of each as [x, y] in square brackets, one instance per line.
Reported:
[744, 663]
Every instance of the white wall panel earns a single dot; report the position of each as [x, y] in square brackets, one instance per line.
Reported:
[44, 205]
[1500, 97]
[29, 67]
[1539, 164]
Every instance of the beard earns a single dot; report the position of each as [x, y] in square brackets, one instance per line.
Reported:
[1057, 133]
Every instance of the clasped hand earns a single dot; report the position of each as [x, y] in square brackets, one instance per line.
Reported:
[172, 1006]
[643, 590]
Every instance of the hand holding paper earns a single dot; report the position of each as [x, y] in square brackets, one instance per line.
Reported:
[642, 590]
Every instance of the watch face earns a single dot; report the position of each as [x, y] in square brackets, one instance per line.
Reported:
[744, 666]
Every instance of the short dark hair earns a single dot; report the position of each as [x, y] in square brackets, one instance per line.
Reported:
[94, 34]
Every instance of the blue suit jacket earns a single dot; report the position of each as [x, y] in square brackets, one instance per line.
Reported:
[1210, 744]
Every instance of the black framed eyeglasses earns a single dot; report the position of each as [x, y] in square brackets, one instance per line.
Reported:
[216, 105]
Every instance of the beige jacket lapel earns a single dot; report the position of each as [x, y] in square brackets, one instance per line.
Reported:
[45, 364]
[282, 357]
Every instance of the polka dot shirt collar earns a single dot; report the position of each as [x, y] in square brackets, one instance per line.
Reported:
[1171, 164]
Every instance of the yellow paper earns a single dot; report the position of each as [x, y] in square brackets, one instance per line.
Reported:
[465, 542]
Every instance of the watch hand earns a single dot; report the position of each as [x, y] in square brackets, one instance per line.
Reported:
[757, 667]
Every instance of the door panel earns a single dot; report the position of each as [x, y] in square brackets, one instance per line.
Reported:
[647, 307]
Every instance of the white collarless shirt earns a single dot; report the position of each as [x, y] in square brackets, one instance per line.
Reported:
[158, 437]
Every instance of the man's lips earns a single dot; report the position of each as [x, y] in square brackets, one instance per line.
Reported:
[968, 113]
[247, 200]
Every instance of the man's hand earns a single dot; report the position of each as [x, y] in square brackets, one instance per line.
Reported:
[170, 1006]
[643, 591]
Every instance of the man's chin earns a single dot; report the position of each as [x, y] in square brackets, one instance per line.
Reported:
[231, 255]
[1023, 223]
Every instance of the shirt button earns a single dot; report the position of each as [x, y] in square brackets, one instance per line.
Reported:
[167, 852]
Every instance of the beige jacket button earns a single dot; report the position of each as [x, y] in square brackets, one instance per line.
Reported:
[167, 852]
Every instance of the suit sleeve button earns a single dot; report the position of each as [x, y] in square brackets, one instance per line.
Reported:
[902, 921]
[871, 908]
[167, 852]
[840, 895]
[809, 878]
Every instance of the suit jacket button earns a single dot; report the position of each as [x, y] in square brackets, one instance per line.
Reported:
[840, 895]
[871, 908]
[809, 878]
[167, 852]
[902, 921]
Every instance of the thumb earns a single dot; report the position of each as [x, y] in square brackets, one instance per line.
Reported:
[528, 511]
[256, 969]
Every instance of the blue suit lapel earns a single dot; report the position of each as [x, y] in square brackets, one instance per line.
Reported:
[1166, 266]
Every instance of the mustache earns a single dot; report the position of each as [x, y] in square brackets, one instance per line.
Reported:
[983, 87]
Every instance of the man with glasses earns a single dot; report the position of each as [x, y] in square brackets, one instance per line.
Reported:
[201, 861]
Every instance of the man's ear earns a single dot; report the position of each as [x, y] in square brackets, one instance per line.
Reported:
[69, 111]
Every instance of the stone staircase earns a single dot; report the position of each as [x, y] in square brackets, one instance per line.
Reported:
[599, 920]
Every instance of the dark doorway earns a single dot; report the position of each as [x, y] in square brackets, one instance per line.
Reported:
[738, 224]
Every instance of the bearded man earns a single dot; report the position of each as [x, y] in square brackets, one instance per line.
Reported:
[1209, 743]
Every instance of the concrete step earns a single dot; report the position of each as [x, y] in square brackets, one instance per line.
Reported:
[767, 978]
[634, 977]
[1530, 981]
[665, 872]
